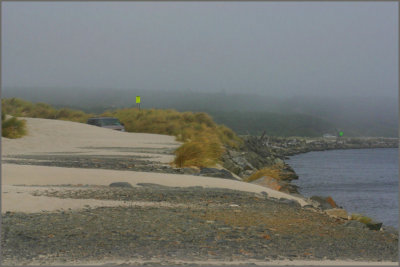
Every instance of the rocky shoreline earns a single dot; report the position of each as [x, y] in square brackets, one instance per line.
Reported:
[266, 152]
[259, 152]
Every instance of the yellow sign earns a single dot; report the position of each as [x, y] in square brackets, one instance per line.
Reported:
[138, 100]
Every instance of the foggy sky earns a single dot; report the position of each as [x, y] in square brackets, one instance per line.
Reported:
[333, 48]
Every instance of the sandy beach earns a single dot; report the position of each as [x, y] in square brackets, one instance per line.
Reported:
[63, 137]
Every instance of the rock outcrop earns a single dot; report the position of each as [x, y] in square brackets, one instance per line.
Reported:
[337, 213]
[214, 172]
[260, 152]
[121, 184]
[325, 202]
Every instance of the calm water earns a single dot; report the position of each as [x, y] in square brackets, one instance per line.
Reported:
[360, 180]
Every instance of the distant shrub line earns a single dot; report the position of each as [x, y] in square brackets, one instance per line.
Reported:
[21, 108]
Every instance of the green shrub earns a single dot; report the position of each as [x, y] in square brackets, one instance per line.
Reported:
[272, 171]
[361, 218]
[13, 128]
[200, 152]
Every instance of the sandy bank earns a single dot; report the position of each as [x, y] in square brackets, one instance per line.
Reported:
[64, 137]
[13, 174]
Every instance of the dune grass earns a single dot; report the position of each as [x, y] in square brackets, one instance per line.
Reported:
[21, 108]
[204, 140]
[12, 127]
[273, 171]
[361, 218]
[202, 151]
[184, 125]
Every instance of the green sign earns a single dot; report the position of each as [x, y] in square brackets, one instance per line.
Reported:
[138, 100]
[340, 133]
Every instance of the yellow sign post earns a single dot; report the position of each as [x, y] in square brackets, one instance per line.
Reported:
[138, 102]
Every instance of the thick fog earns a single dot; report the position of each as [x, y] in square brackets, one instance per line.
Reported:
[335, 62]
[324, 49]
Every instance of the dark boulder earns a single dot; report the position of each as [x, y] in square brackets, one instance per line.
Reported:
[287, 173]
[324, 202]
[289, 202]
[276, 184]
[190, 171]
[254, 160]
[121, 184]
[219, 173]
[374, 225]
[369, 225]
[355, 224]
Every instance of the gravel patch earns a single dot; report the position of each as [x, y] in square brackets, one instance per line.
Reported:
[133, 163]
[151, 150]
[222, 225]
[130, 163]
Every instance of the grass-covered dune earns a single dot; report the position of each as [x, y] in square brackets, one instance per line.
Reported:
[203, 140]
[12, 127]
[21, 108]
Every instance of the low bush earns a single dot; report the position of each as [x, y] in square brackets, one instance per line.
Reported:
[273, 171]
[360, 218]
[201, 152]
[12, 127]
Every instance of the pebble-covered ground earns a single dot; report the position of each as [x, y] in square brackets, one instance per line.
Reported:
[133, 163]
[109, 162]
[205, 224]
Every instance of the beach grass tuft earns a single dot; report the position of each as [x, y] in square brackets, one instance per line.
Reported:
[361, 218]
[202, 151]
[273, 171]
[12, 127]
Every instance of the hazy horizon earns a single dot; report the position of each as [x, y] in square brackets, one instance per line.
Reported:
[264, 48]
[334, 63]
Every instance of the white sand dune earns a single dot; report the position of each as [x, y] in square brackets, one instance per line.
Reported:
[54, 136]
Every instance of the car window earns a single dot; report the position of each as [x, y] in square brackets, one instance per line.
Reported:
[110, 122]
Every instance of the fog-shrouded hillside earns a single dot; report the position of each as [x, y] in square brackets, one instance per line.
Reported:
[302, 115]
